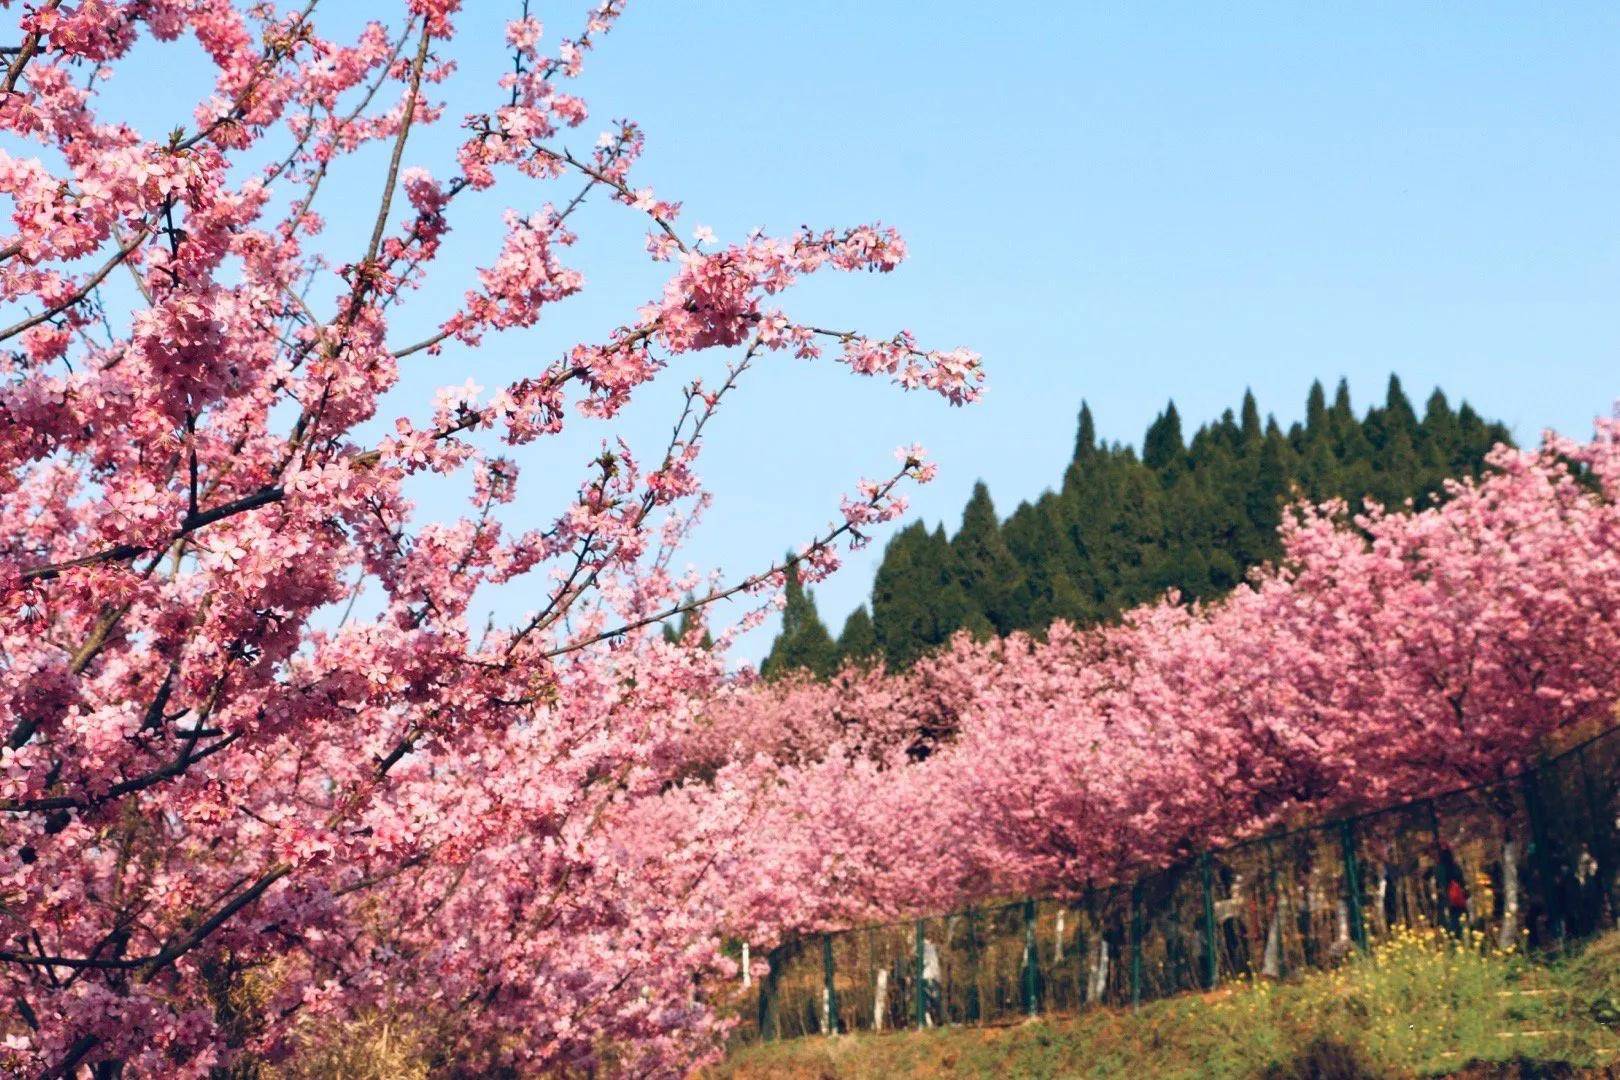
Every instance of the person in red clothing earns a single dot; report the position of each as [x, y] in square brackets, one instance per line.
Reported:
[1454, 902]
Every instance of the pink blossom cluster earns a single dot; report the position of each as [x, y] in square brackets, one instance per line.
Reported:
[256, 744]
[1388, 656]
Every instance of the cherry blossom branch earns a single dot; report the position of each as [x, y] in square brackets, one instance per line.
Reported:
[822, 544]
[154, 965]
[173, 769]
[392, 181]
[190, 524]
[566, 594]
[29, 47]
[78, 295]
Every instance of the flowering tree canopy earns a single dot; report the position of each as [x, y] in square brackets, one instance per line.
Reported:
[211, 771]
[1386, 657]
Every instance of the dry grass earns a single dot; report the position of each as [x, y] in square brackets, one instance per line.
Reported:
[377, 1048]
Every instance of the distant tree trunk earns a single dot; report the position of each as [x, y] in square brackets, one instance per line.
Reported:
[1341, 936]
[1271, 962]
[770, 1021]
[747, 972]
[880, 1000]
[1381, 911]
[1057, 939]
[1098, 984]
[1508, 934]
[1303, 915]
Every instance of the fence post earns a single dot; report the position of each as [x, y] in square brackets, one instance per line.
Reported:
[1352, 882]
[1136, 944]
[921, 1000]
[1031, 958]
[1212, 955]
[829, 992]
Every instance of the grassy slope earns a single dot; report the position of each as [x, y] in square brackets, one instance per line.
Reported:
[1418, 1005]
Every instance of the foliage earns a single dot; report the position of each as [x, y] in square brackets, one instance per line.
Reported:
[1386, 656]
[254, 737]
[804, 642]
[857, 641]
[1194, 516]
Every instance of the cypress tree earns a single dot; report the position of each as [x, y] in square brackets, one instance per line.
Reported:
[1353, 475]
[917, 603]
[986, 569]
[1193, 515]
[1319, 470]
[1049, 567]
[857, 642]
[896, 604]
[1085, 438]
[1437, 439]
[1273, 472]
[1251, 418]
[1162, 446]
[1399, 408]
[803, 641]
[1342, 413]
[1316, 410]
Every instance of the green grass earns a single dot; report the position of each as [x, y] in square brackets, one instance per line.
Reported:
[1419, 1004]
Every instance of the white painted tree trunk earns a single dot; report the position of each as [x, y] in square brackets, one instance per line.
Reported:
[747, 970]
[1271, 962]
[1508, 935]
[1342, 938]
[1099, 971]
[1057, 943]
[932, 974]
[827, 1026]
[1380, 910]
[880, 1000]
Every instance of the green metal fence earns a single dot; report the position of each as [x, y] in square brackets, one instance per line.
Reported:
[1530, 860]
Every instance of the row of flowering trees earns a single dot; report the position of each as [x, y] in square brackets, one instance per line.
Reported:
[1389, 655]
[263, 763]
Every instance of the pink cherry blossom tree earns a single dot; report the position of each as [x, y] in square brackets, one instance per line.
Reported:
[233, 801]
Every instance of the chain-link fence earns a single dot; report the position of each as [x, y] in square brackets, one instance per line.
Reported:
[1529, 861]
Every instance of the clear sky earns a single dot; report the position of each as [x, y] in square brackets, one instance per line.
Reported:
[1122, 203]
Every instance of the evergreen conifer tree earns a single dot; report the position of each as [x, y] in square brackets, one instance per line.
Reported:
[676, 633]
[1085, 438]
[985, 568]
[857, 642]
[804, 641]
[1163, 446]
[1192, 515]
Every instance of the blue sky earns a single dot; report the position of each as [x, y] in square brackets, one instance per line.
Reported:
[1123, 203]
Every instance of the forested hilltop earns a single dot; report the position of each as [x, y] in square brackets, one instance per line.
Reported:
[1124, 526]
